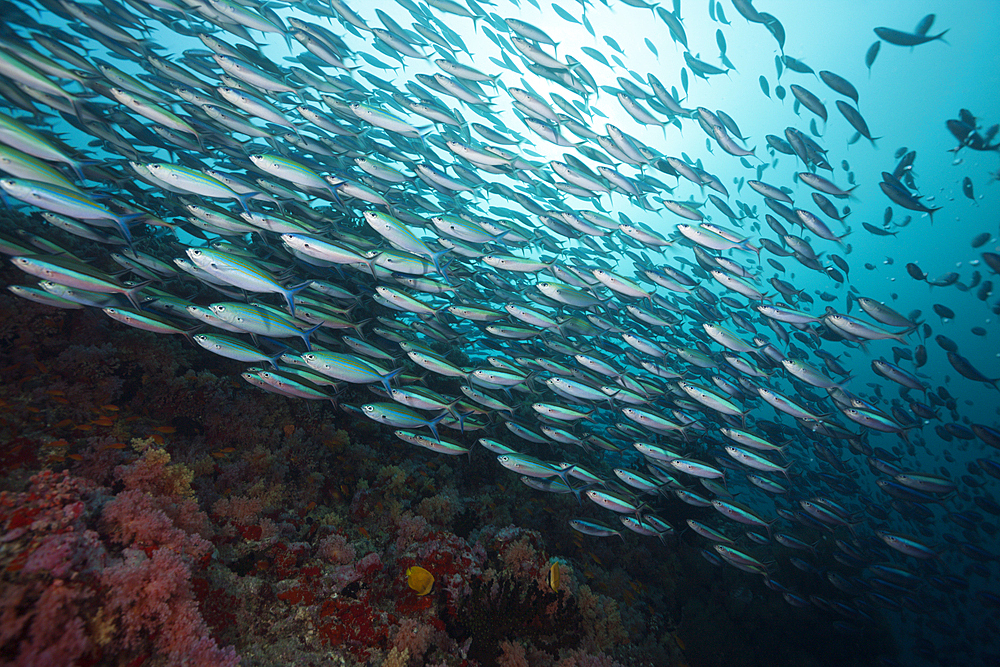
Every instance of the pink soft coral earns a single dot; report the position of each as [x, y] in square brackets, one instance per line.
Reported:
[64, 605]
[410, 529]
[522, 552]
[415, 637]
[152, 472]
[157, 508]
[336, 549]
[56, 635]
[134, 519]
[48, 558]
[153, 600]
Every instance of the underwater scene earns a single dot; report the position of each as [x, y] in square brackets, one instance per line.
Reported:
[586, 333]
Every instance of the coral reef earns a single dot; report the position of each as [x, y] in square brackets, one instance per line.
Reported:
[155, 515]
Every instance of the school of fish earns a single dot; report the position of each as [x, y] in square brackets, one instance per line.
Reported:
[415, 235]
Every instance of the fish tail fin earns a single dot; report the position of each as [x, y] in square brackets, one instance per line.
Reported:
[76, 167]
[290, 292]
[749, 247]
[460, 416]
[357, 326]
[189, 334]
[334, 191]
[901, 337]
[273, 360]
[134, 292]
[852, 530]
[432, 424]
[389, 376]
[122, 222]
[564, 473]
[306, 334]
[850, 376]
[370, 262]
[638, 512]
[436, 258]
[243, 199]
[499, 237]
